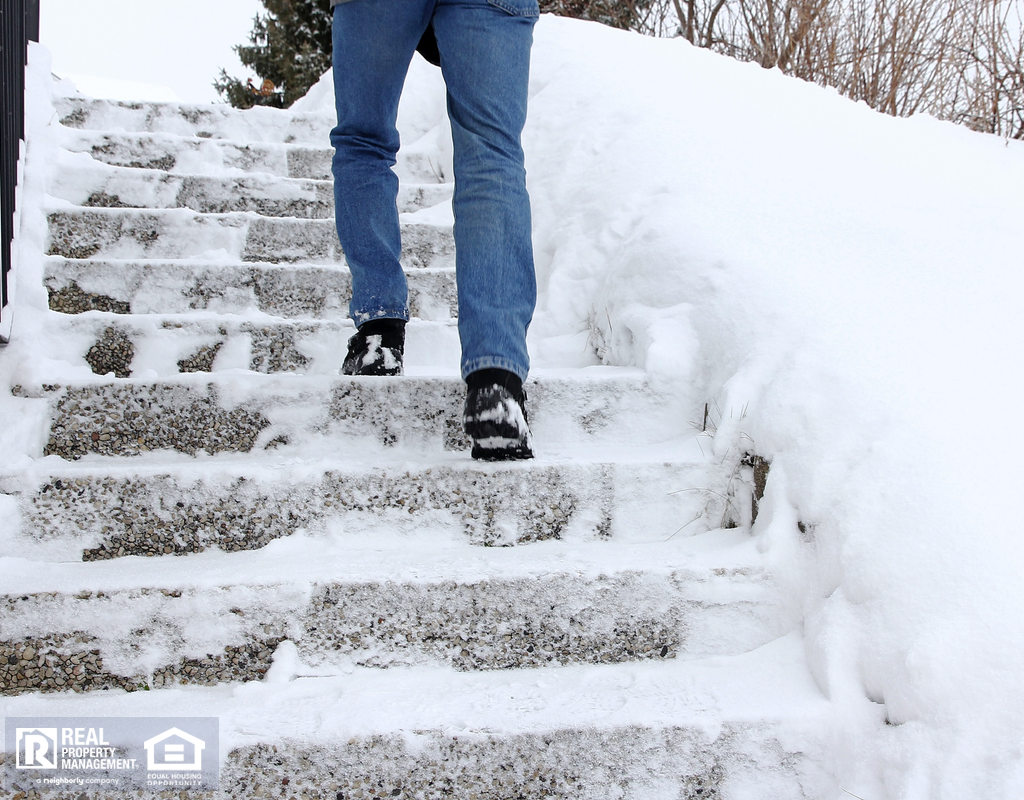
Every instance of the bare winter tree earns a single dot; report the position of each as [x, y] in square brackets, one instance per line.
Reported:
[617, 13]
[959, 60]
[986, 90]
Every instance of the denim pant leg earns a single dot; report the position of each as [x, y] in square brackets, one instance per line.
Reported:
[373, 42]
[485, 58]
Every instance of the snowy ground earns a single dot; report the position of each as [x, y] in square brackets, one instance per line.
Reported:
[842, 288]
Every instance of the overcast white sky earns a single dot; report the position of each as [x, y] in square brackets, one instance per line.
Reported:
[131, 49]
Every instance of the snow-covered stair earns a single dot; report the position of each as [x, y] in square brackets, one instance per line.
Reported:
[215, 516]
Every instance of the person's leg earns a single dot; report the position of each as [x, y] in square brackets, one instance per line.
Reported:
[485, 59]
[373, 43]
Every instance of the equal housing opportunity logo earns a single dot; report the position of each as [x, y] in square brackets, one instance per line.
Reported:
[111, 753]
[168, 751]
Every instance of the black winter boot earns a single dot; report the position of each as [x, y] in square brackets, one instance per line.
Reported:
[376, 348]
[494, 416]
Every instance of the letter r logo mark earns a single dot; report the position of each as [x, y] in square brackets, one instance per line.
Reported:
[37, 748]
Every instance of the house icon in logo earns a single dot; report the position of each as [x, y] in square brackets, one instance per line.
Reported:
[37, 748]
[174, 750]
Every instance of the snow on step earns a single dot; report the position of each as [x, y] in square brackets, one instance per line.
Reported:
[422, 601]
[193, 155]
[747, 726]
[202, 121]
[97, 512]
[164, 345]
[84, 184]
[267, 195]
[197, 156]
[241, 413]
[154, 286]
[181, 233]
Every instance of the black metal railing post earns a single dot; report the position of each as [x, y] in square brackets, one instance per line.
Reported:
[32, 20]
[19, 22]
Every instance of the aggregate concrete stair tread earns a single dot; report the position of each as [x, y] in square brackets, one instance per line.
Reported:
[219, 413]
[342, 600]
[181, 150]
[88, 512]
[161, 286]
[82, 233]
[208, 121]
[748, 726]
[198, 156]
[162, 345]
[84, 184]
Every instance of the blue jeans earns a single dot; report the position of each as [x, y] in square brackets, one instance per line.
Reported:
[485, 60]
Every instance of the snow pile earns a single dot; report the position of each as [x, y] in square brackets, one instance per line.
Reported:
[118, 89]
[843, 289]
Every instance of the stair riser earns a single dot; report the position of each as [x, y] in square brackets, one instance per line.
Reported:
[306, 292]
[203, 122]
[271, 197]
[106, 343]
[125, 419]
[189, 156]
[97, 517]
[194, 156]
[630, 763]
[772, 761]
[211, 636]
[175, 234]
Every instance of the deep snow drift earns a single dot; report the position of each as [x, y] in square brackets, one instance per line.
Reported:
[843, 288]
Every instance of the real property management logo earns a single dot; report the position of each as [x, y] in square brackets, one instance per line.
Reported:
[36, 748]
[112, 753]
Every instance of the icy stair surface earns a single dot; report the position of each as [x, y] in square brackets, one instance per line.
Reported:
[216, 523]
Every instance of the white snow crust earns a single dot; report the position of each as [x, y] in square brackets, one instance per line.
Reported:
[841, 288]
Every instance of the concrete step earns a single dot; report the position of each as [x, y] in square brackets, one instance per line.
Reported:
[341, 602]
[744, 727]
[85, 184]
[162, 345]
[267, 195]
[193, 155]
[166, 507]
[201, 121]
[155, 286]
[181, 233]
[242, 413]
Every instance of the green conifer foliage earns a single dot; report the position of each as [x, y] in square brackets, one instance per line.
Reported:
[290, 46]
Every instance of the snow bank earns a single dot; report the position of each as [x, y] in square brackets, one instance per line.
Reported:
[843, 289]
[25, 421]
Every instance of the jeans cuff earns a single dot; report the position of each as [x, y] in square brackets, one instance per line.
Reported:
[492, 362]
[362, 319]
